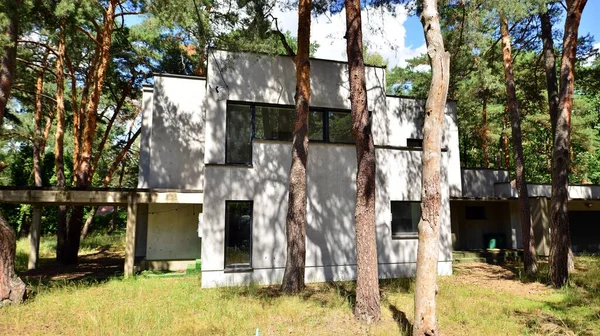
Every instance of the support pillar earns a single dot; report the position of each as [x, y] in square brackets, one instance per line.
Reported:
[130, 235]
[34, 236]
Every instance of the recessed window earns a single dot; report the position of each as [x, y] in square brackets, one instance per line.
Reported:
[416, 143]
[239, 134]
[275, 123]
[238, 234]
[475, 213]
[340, 127]
[405, 218]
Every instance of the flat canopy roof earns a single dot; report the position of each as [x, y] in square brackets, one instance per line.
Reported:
[99, 196]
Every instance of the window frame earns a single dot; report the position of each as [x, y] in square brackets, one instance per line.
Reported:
[406, 235]
[324, 111]
[241, 267]
[252, 130]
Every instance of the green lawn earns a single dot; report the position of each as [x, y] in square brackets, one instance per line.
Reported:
[479, 299]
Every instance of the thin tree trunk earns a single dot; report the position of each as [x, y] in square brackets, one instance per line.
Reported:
[529, 254]
[88, 222]
[368, 306]
[59, 142]
[37, 136]
[431, 188]
[506, 146]
[485, 134]
[120, 157]
[293, 277]
[550, 67]
[560, 240]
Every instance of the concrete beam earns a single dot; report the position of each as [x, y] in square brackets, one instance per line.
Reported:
[34, 236]
[99, 197]
[130, 236]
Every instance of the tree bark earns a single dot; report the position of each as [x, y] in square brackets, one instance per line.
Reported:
[9, 57]
[529, 254]
[88, 222]
[431, 188]
[560, 240]
[12, 288]
[505, 142]
[59, 141]
[550, 68]
[37, 135]
[295, 224]
[82, 169]
[368, 306]
[485, 137]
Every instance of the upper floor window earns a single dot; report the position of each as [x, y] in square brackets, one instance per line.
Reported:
[416, 143]
[245, 122]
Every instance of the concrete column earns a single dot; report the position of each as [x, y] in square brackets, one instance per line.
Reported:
[130, 235]
[34, 236]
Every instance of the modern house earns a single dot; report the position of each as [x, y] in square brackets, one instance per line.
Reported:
[229, 135]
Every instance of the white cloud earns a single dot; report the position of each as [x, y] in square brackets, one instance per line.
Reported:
[383, 32]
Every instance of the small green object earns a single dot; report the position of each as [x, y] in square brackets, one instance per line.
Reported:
[492, 243]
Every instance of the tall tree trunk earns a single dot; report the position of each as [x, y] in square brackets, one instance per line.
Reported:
[560, 240]
[485, 134]
[550, 67]
[59, 141]
[368, 306]
[431, 187]
[505, 143]
[83, 162]
[12, 288]
[37, 131]
[295, 224]
[9, 56]
[529, 254]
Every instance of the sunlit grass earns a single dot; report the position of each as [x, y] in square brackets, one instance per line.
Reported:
[178, 306]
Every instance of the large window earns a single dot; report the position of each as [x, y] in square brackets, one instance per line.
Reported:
[405, 218]
[239, 134]
[255, 121]
[238, 234]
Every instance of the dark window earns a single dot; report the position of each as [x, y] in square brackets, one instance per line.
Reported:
[405, 218]
[475, 212]
[238, 234]
[239, 134]
[316, 126]
[340, 127]
[275, 123]
[417, 143]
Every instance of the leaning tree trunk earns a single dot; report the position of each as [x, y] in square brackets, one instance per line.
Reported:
[88, 222]
[83, 166]
[431, 186]
[368, 306]
[529, 254]
[295, 224]
[560, 240]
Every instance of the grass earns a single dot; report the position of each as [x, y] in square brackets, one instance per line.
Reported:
[467, 305]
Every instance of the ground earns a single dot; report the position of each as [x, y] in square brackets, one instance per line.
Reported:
[479, 299]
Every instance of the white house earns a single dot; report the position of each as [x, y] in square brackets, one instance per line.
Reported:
[229, 136]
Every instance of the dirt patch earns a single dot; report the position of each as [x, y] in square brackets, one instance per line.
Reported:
[496, 278]
[100, 265]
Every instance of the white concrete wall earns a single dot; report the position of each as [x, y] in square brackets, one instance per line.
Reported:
[331, 169]
[481, 182]
[145, 136]
[177, 138]
[172, 232]
[403, 119]
[271, 79]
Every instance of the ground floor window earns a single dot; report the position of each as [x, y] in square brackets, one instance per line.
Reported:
[405, 218]
[238, 234]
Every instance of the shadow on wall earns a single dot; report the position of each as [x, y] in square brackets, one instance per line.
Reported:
[177, 139]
